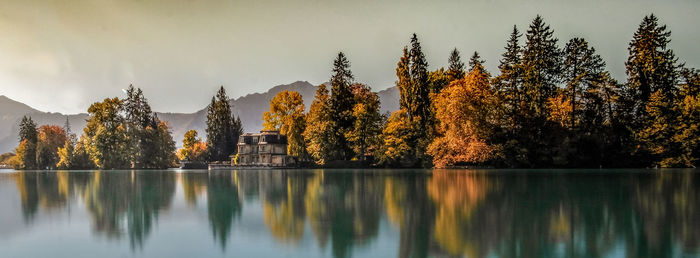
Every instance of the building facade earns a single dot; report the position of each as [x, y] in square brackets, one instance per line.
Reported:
[267, 148]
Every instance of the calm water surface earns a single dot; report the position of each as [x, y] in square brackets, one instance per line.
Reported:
[346, 213]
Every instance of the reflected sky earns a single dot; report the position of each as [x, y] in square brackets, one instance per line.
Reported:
[348, 213]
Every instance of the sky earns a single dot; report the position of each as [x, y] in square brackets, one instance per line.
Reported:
[61, 56]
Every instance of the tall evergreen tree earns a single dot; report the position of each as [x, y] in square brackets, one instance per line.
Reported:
[421, 107]
[652, 80]
[66, 126]
[508, 86]
[509, 83]
[138, 119]
[414, 89]
[26, 152]
[27, 130]
[541, 63]
[455, 68]
[222, 129]
[651, 65]
[583, 68]
[475, 62]
[541, 67]
[341, 104]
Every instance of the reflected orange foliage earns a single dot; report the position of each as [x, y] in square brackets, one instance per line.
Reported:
[456, 196]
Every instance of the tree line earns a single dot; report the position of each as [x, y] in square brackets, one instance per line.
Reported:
[120, 133]
[549, 106]
[125, 133]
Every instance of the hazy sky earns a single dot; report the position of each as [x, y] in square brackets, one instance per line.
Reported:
[63, 55]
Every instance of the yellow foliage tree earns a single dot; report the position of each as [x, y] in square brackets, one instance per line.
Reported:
[560, 110]
[286, 114]
[465, 111]
[397, 136]
[193, 148]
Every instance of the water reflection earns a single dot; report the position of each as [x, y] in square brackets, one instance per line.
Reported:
[223, 204]
[124, 202]
[428, 213]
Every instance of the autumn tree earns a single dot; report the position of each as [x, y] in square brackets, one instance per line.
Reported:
[651, 65]
[364, 135]
[25, 157]
[318, 134]
[286, 115]
[193, 148]
[652, 77]
[50, 138]
[222, 129]
[414, 90]
[398, 137]
[686, 136]
[438, 80]
[73, 154]
[106, 135]
[466, 114]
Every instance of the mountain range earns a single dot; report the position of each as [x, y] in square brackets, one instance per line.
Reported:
[249, 108]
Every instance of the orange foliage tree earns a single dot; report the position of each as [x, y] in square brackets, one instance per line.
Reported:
[465, 111]
[50, 138]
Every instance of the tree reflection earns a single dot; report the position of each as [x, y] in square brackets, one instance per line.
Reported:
[50, 191]
[223, 204]
[283, 207]
[342, 209]
[439, 213]
[134, 198]
[193, 186]
[668, 206]
[409, 207]
[456, 197]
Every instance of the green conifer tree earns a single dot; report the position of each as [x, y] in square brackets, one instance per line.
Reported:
[541, 67]
[341, 104]
[222, 129]
[651, 66]
[583, 69]
[455, 68]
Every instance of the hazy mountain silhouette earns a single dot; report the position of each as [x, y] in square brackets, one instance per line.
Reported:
[250, 108]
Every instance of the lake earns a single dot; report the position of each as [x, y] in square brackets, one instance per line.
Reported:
[351, 213]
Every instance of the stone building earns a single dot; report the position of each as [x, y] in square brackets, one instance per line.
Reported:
[267, 148]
